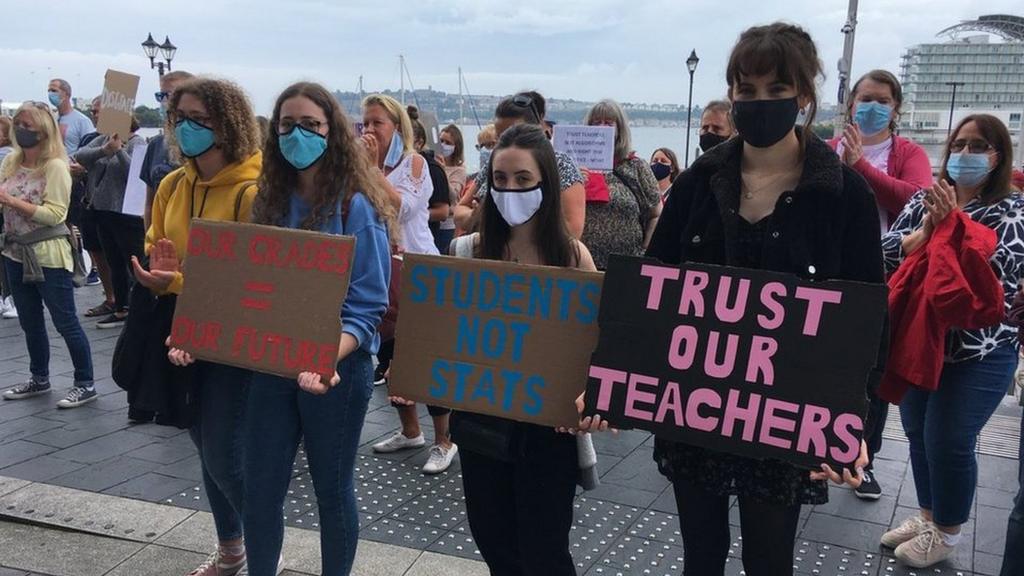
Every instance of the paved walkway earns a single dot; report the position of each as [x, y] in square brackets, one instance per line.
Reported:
[82, 492]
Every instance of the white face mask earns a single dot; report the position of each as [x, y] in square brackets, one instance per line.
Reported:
[517, 206]
[447, 150]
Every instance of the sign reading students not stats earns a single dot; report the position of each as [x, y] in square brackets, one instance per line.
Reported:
[749, 362]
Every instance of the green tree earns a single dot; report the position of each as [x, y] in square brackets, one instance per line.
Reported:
[148, 117]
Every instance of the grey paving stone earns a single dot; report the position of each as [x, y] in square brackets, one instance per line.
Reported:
[12, 572]
[431, 564]
[48, 551]
[994, 498]
[100, 476]
[79, 431]
[621, 444]
[19, 451]
[96, 513]
[636, 471]
[105, 447]
[41, 469]
[843, 504]
[21, 428]
[8, 484]
[151, 487]
[987, 564]
[196, 534]
[666, 502]
[167, 452]
[190, 469]
[852, 534]
[623, 495]
[998, 473]
[990, 534]
[158, 561]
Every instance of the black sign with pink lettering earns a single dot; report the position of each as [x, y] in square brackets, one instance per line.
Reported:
[748, 362]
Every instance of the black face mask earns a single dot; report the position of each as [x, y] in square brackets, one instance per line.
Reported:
[709, 140]
[26, 138]
[762, 123]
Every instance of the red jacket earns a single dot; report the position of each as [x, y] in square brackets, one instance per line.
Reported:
[947, 283]
[908, 171]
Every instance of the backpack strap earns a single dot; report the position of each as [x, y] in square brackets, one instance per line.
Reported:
[241, 194]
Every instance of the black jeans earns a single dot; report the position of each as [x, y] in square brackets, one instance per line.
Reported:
[878, 412]
[768, 530]
[520, 511]
[122, 236]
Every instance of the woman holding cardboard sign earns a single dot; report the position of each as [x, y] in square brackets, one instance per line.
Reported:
[777, 198]
[211, 125]
[520, 478]
[315, 177]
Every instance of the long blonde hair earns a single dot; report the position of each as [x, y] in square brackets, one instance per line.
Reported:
[52, 143]
[398, 115]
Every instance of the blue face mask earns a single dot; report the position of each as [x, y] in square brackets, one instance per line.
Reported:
[968, 169]
[193, 138]
[302, 148]
[395, 150]
[872, 117]
[54, 98]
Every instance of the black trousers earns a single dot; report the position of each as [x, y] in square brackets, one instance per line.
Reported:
[769, 532]
[520, 511]
[122, 236]
[878, 411]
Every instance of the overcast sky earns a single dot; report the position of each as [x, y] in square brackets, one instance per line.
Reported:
[630, 50]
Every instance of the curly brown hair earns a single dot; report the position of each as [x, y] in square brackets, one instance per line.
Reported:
[234, 125]
[343, 170]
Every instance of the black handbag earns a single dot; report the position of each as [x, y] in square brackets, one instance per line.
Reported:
[488, 436]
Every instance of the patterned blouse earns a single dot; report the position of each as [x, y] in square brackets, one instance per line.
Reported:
[1006, 217]
[618, 226]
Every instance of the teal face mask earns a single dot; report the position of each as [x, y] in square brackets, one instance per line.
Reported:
[54, 98]
[302, 148]
[872, 117]
[968, 169]
[193, 138]
[395, 150]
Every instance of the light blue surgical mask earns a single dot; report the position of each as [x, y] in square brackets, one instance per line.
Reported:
[193, 138]
[872, 117]
[54, 98]
[968, 169]
[395, 150]
[302, 148]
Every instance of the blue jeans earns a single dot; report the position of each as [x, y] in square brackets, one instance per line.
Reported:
[279, 415]
[943, 429]
[1013, 557]
[57, 293]
[219, 437]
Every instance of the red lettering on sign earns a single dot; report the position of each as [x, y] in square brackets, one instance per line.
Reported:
[255, 304]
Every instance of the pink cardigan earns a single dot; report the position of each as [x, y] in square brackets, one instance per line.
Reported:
[909, 171]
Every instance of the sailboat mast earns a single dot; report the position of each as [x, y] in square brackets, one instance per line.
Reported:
[401, 75]
[461, 116]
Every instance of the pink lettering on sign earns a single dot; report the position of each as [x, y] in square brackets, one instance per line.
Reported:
[634, 396]
[694, 282]
[769, 294]
[844, 427]
[816, 299]
[725, 312]
[812, 430]
[762, 348]
[747, 415]
[702, 397]
[658, 275]
[672, 402]
[684, 347]
[608, 378]
[772, 422]
[711, 365]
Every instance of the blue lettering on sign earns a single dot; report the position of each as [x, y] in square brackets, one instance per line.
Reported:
[441, 274]
[494, 338]
[533, 387]
[463, 295]
[419, 286]
[511, 382]
[467, 335]
[540, 297]
[589, 301]
[490, 292]
[439, 387]
[567, 287]
[485, 389]
[512, 291]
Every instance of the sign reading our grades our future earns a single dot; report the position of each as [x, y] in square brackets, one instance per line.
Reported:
[749, 362]
[262, 297]
[495, 338]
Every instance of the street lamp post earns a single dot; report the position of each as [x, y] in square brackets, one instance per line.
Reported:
[167, 51]
[691, 65]
[952, 105]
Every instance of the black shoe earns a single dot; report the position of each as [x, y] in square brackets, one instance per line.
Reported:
[136, 416]
[378, 375]
[869, 488]
[112, 321]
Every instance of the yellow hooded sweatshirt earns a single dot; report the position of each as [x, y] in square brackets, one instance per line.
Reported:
[183, 196]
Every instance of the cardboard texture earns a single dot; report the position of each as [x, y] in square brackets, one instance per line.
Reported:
[749, 362]
[495, 338]
[264, 298]
[117, 103]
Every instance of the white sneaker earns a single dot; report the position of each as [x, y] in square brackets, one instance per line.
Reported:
[280, 567]
[399, 442]
[440, 459]
[905, 532]
[7, 308]
[927, 549]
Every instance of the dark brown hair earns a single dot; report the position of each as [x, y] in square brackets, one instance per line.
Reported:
[344, 169]
[785, 50]
[881, 77]
[555, 245]
[999, 183]
[459, 155]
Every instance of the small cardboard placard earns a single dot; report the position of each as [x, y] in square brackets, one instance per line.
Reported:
[117, 103]
[748, 362]
[135, 190]
[495, 338]
[589, 146]
[262, 297]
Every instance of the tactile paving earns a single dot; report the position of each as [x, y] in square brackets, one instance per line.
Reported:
[653, 525]
[597, 525]
[408, 534]
[631, 555]
[459, 542]
[438, 513]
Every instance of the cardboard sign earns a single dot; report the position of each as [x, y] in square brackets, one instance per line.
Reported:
[264, 298]
[749, 362]
[589, 146]
[495, 337]
[135, 191]
[117, 104]
[430, 125]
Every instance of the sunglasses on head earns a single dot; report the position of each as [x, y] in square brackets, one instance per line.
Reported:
[162, 96]
[525, 101]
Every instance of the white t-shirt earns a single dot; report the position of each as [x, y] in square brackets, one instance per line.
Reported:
[414, 215]
[878, 156]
